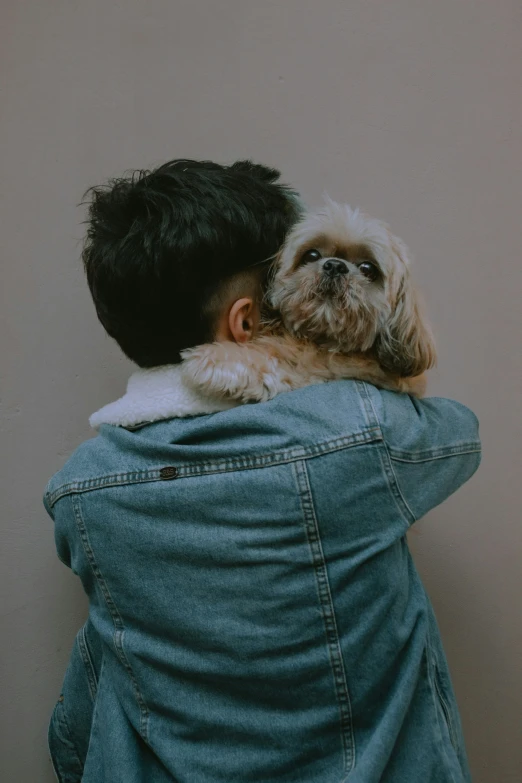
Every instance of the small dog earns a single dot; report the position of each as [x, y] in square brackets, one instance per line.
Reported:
[341, 304]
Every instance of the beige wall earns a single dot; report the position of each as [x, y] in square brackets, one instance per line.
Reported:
[409, 108]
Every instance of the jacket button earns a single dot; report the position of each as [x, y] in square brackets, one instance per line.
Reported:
[168, 473]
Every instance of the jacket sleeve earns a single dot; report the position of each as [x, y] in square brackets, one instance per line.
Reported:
[433, 447]
[71, 720]
[69, 547]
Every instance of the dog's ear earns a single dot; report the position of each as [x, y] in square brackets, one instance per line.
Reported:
[405, 344]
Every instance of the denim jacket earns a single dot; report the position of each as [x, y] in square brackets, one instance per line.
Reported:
[254, 611]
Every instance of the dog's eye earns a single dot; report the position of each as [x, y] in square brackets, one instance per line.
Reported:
[369, 270]
[310, 255]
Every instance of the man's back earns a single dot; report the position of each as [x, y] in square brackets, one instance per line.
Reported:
[255, 614]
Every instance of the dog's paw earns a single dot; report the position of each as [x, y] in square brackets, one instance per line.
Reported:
[231, 371]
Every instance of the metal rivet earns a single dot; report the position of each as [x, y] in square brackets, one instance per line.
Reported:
[168, 473]
[61, 698]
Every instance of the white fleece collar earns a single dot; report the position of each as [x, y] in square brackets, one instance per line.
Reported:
[152, 395]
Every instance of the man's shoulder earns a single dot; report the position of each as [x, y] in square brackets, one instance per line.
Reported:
[95, 457]
[328, 407]
[301, 423]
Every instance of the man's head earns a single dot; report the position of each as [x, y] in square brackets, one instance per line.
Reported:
[168, 250]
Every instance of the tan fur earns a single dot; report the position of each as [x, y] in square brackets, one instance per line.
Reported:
[259, 370]
[319, 330]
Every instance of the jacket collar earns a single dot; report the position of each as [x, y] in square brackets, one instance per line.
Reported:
[156, 394]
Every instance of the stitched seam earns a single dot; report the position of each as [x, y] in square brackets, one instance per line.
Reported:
[445, 709]
[225, 466]
[87, 661]
[115, 616]
[391, 477]
[434, 698]
[395, 490]
[368, 407]
[432, 660]
[459, 447]
[67, 737]
[328, 613]
[95, 710]
[114, 479]
[56, 770]
[431, 456]
[395, 487]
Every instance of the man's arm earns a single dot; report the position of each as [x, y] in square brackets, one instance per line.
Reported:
[433, 445]
[71, 720]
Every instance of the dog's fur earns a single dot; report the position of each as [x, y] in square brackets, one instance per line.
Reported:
[341, 305]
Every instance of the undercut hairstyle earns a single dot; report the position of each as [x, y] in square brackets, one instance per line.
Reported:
[251, 283]
[162, 244]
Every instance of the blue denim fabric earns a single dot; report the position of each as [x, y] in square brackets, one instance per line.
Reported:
[255, 614]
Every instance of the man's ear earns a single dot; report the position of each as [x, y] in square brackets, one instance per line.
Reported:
[242, 320]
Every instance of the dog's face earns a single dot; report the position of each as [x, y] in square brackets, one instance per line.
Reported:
[342, 280]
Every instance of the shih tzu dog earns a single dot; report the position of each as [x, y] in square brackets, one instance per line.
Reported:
[340, 304]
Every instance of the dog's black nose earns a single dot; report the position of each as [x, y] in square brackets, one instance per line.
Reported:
[334, 267]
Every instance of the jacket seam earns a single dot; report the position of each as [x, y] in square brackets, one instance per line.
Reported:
[66, 738]
[395, 488]
[368, 435]
[433, 667]
[95, 710]
[368, 406]
[328, 614]
[117, 620]
[391, 476]
[87, 662]
[445, 709]
[430, 456]
[438, 709]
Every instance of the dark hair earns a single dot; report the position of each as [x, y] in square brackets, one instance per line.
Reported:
[158, 242]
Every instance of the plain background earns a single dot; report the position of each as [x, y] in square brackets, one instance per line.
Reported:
[409, 108]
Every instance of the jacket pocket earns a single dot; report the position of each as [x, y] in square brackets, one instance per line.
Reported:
[64, 755]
